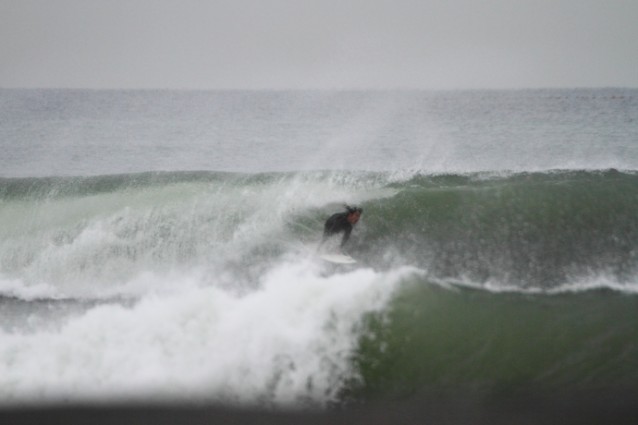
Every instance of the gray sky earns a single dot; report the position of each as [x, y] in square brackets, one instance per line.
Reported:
[321, 44]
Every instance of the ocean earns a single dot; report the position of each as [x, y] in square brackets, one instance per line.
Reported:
[160, 246]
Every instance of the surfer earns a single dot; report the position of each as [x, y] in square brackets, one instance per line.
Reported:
[341, 222]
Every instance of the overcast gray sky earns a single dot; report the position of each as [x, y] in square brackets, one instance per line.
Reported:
[319, 44]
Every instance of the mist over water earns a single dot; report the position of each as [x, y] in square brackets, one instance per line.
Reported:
[161, 245]
[68, 132]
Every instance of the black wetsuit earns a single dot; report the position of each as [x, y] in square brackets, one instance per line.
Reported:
[335, 224]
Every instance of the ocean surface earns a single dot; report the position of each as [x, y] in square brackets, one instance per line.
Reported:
[161, 245]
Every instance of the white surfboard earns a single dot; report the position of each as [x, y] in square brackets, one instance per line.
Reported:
[338, 258]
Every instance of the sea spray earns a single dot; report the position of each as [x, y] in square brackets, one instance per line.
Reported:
[519, 207]
[288, 343]
[85, 236]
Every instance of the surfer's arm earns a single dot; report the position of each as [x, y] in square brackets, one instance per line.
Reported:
[346, 235]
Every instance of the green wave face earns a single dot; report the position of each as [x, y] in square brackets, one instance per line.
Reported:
[525, 230]
[475, 342]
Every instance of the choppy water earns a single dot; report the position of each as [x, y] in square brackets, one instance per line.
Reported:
[497, 248]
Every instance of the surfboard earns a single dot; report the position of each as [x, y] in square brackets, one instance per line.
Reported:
[338, 258]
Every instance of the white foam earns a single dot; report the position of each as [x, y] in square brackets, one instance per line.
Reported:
[16, 288]
[575, 284]
[595, 281]
[287, 343]
[82, 247]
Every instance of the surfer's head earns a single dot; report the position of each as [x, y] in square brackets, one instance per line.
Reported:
[354, 214]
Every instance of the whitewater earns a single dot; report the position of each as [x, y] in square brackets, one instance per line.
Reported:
[161, 245]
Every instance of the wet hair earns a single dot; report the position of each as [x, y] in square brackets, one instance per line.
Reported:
[352, 210]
